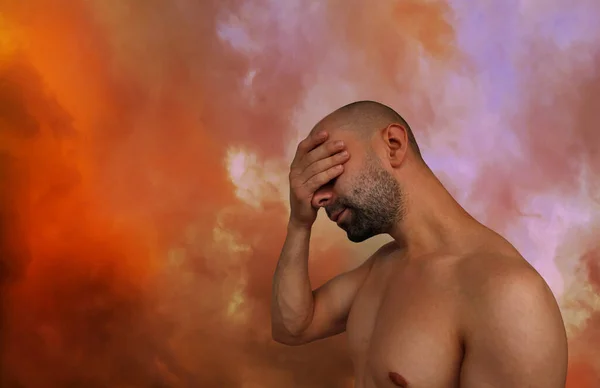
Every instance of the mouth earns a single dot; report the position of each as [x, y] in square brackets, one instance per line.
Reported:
[336, 216]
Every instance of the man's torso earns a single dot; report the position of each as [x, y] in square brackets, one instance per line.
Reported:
[405, 321]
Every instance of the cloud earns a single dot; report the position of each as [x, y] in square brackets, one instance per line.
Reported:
[137, 246]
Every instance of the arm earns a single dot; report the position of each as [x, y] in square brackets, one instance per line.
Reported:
[514, 334]
[300, 315]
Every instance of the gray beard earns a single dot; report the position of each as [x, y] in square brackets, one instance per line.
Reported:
[376, 203]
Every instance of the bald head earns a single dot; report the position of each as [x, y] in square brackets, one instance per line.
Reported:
[370, 188]
[365, 118]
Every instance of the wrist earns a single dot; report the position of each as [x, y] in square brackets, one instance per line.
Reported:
[301, 227]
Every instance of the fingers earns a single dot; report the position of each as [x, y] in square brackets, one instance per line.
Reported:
[323, 151]
[325, 164]
[308, 144]
[317, 162]
[320, 179]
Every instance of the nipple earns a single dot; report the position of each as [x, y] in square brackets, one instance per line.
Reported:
[398, 380]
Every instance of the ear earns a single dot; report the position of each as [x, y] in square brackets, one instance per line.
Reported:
[395, 137]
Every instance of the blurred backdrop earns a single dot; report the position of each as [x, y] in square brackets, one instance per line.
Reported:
[144, 152]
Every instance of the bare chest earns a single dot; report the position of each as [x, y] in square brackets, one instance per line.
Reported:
[403, 323]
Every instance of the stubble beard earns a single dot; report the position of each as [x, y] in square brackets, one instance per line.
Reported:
[376, 203]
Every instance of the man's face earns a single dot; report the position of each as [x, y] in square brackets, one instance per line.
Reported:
[366, 197]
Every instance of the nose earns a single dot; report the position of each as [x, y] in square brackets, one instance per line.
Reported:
[322, 197]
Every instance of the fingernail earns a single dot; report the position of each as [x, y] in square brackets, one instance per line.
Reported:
[339, 143]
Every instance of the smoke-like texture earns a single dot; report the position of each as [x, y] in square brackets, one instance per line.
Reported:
[144, 149]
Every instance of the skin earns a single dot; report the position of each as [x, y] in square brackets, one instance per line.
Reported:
[448, 303]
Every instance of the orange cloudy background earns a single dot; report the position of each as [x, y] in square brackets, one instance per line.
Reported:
[144, 152]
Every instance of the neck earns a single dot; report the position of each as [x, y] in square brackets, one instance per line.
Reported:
[432, 220]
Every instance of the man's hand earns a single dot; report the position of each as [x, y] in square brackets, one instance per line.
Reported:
[316, 163]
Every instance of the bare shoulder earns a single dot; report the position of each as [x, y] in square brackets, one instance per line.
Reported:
[500, 278]
[508, 313]
[504, 284]
[386, 250]
[358, 275]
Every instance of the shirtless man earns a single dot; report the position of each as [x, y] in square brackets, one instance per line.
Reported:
[448, 303]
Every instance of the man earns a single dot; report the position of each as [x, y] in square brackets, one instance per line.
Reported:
[448, 303]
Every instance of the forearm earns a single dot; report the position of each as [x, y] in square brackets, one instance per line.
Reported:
[292, 297]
